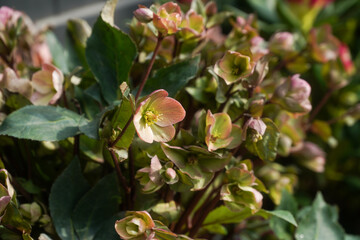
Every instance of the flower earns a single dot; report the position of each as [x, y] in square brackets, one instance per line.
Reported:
[258, 126]
[324, 45]
[281, 42]
[293, 95]
[234, 66]
[192, 26]
[135, 225]
[40, 54]
[168, 18]
[13, 83]
[218, 130]
[155, 116]
[47, 84]
[311, 156]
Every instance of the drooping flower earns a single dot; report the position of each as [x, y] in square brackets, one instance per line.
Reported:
[168, 18]
[47, 84]
[234, 66]
[293, 95]
[311, 156]
[136, 225]
[257, 125]
[155, 116]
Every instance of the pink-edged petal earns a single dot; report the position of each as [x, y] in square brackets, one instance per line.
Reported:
[219, 143]
[161, 93]
[169, 109]
[144, 131]
[162, 134]
[41, 99]
[222, 126]
[41, 81]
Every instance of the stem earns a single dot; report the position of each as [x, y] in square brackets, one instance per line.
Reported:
[185, 215]
[227, 95]
[132, 175]
[321, 104]
[203, 214]
[142, 84]
[122, 132]
[122, 180]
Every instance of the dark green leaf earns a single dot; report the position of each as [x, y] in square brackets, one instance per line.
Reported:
[266, 148]
[67, 190]
[42, 123]
[96, 206]
[174, 77]
[282, 214]
[110, 54]
[107, 230]
[13, 218]
[223, 215]
[319, 223]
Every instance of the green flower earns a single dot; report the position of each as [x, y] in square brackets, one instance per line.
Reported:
[168, 18]
[234, 66]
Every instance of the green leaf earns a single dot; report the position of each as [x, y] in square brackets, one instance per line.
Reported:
[283, 229]
[174, 77]
[217, 229]
[282, 214]
[42, 123]
[319, 222]
[13, 218]
[265, 8]
[123, 114]
[109, 53]
[107, 230]
[61, 57]
[223, 215]
[66, 191]
[87, 218]
[266, 148]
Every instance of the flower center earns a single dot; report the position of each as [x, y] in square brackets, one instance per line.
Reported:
[151, 117]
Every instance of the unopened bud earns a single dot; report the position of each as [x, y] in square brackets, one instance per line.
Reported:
[143, 14]
[281, 42]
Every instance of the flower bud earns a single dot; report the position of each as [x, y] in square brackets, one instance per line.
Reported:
[211, 8]
[293, 95]
[168, 18]
[31, 211]
[135, 225]
[143, 14]
[281, 42]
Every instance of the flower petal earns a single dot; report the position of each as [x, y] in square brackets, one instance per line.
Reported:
[144, 131]
[162, 134]
[170, 110]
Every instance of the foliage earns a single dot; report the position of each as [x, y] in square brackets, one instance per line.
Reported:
[204, 122]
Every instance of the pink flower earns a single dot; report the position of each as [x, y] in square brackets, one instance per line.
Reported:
[47, 84]
[155, 116]
[168, 18]
[281, 42]
[143, 14]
